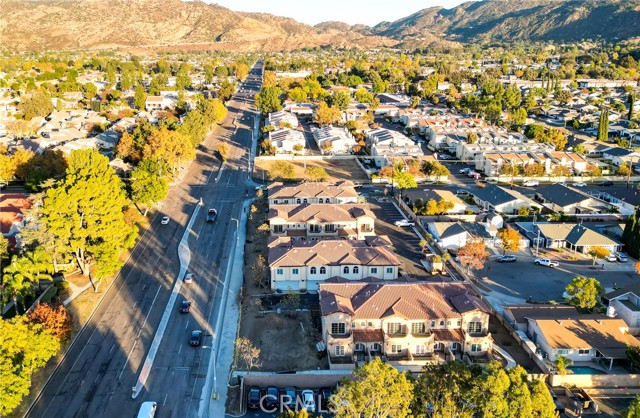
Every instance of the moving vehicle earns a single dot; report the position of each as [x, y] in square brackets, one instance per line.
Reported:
[185, 306]
[622, 257]
[308, 400]
[147, 409]
[196, 338]
[165, 220]
[546, 262]
[253, 399]
[506, 259]
[530, 183]
[188, 278]
[404, 222]
[606, 183]
[579, 184]
[212, 214]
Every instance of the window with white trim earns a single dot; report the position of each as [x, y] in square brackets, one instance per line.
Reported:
[339, 350]
[295, 271]
[338, 328]
[394, 328]
[583, 352]
[420, 349]
[389, 270]
[313, 270]
[374, 270]
[417, 328]
[278, 229]
[476, 348]
[345, 270]
[323, 270]
[375, 347]
[474, 327]
[396, 348]
[356, 270]
[563, 351]
[279, 272]
[359, 347]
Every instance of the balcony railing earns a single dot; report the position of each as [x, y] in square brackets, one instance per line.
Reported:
[341, 359]
[340, 336]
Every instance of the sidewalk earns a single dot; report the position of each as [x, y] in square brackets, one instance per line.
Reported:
[75, 292]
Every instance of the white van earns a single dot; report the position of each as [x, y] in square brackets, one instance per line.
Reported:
[147, 410]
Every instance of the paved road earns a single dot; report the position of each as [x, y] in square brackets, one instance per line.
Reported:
[97, 375]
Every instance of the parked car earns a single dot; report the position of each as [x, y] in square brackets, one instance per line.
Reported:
[196, 338]
[462, 192]
[288, 398]
[506, 259]
[253, 399]
[404, 222]
[606, 183]
[464, 170]
[165, 220]
[325, 395]
[471, 173]
[622, 257]
[546, 262]
[185, 306]
[212, 214]
[271, 398]
[579, 184]
[611, 258]
[308, 400]
[188, 278]
[530, 183]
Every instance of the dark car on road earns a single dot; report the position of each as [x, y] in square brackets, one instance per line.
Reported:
[185, 306]
[253, 400]
[196, 338]
[212, 214]
[506, 259]
[606, 183]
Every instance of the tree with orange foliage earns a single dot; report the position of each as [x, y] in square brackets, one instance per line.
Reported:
[57, 320]
[473, 255]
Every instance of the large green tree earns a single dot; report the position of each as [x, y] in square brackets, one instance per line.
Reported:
[584, 292]
[268, 100]
[603, 125]
[632, 102]
[633, 411]
[24, 348]
[149, 184]
[631, 234]
[37, 104]
[85, 212]
[378, 391]
[139, 97]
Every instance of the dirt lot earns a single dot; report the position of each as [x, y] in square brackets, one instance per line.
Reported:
[336, 169]
[286, 339]
[503, 338]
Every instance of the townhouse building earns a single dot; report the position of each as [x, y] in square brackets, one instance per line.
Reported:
[339, 193]
[313, 221]
[406, 324]
[303, 265]
[287, 141]
[385, 143]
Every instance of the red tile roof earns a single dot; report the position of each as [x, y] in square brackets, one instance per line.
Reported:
[12, 206]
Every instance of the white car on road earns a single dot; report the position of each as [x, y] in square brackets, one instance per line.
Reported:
[546, 262]
[530, 183]
[579, 184]
[165, 220]
[404, 222]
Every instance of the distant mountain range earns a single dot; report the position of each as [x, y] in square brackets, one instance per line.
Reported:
[99, 24]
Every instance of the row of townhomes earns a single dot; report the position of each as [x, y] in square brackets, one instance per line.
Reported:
[323, 241]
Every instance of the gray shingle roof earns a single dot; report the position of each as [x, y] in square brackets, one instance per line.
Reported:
[562, 195]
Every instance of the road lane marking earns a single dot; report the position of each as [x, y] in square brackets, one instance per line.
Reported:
[165, 399]
[179, 348]
[127, 360]
[186, 325]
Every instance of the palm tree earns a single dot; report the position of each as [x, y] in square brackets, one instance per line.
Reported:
[562, 364]
[16, 285]
[37, 265]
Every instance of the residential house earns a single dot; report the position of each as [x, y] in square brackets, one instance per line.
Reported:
[321, 221]
[576, 237]
[287, 141]
[459, 206]
[303, 265]
[618, 156]
[154, 103]
[385, 143]
[335, 140]
[282, 119]
[341, 192]
[454, 235]
[625, 304]
[582, 338]
[407, 324]
[502, 200]
[517, 315]
[563, 199]
[12, 215]
[625, 200]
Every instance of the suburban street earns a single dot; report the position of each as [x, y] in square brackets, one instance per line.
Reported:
[97, 375]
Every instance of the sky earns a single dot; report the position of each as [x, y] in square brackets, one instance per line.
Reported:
[368, 12]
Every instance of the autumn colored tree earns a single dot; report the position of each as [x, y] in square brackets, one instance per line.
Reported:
[597, 253]
[327, 115]
[473, 255]
[316, 174]
[584, 292]
[223, 150]
[170, 147]
[281, 170]
[57, 320]
[510, 239]
[248, 353]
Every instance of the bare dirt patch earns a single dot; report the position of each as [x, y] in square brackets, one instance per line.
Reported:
[336, 169]
[286, 338]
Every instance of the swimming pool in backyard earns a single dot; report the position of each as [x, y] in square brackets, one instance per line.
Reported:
[584, 370]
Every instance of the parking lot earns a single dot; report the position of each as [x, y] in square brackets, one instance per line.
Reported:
[405, 241]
